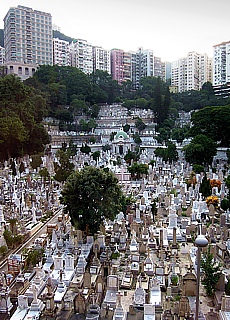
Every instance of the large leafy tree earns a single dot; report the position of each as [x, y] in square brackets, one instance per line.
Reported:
[212, 122]
[167, 154]
[63, 168]
[205, 187]
[21, 112]
[211, 270]
[200, 150]
[109, 88]
[91, 196]
[63, 82]
[137, 170]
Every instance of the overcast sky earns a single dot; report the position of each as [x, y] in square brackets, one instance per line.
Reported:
[171, 28]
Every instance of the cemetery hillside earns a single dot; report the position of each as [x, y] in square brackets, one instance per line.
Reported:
[114, 200]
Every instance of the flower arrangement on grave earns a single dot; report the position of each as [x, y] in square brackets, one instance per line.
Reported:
[212, 200]
[215, 183]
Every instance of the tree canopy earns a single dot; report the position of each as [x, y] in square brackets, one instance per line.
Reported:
[21, 112]
[212, 122]
[200, 150]
[212, 272]
[91, 196]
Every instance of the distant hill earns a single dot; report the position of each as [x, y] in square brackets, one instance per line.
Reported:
[2, 37]
[61, 36]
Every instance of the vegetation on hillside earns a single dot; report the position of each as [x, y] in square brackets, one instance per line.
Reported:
[90, 196]
[21, 111]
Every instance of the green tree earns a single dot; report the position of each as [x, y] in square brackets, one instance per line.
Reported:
[126, 127]
[212, 122]
[137, 170]
[112, 135]
[211, 270]
[197, 168]
[131, 156]
[140, 125]
[72, 148]
[57, 95]
[21, 167]
[227, 181]
[225, 204]
[13, 168]
[85, 149]
[36, 161]
[3, 250]
[205, 187]
[141, 103]
[63, 168]
[44, 173]
[200, 150]
[106, 147]
[91, 196]
[96, 155]
[33, 257]
[167, 154]
[21, 110]
[129, 104]
[179, 134]
[137, 138]
[154, 208]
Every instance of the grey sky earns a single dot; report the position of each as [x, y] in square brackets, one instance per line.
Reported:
[170, 28]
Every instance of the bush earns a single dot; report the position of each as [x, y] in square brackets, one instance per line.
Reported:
[174, 280]
[3, 250]
[197, 168]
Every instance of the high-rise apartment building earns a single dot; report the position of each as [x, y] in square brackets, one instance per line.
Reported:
[28, 36]
[127, 66]
[145, 64]
[191, 72]
[81, 55]
[159, 68]
[101, 59]
[205, 69]
[117, 65]
[2, 55]
[221, 64]
[61, 52]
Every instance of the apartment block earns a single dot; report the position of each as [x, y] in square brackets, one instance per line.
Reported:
[61, 52]
[117, 65]
[81, 55]
[2, 55]
[191, 72]
[127, 66]
[101, 59]
[204, 69]
[159, 68]
[28, 36]
[221, 64]
[145, 64]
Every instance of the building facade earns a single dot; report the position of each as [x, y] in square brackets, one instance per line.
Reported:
[117, 65]
[101, 59]
[61, 52]
[81, 55]
[28, 36]
[221, 64]
[191, 72]
[2, 55]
